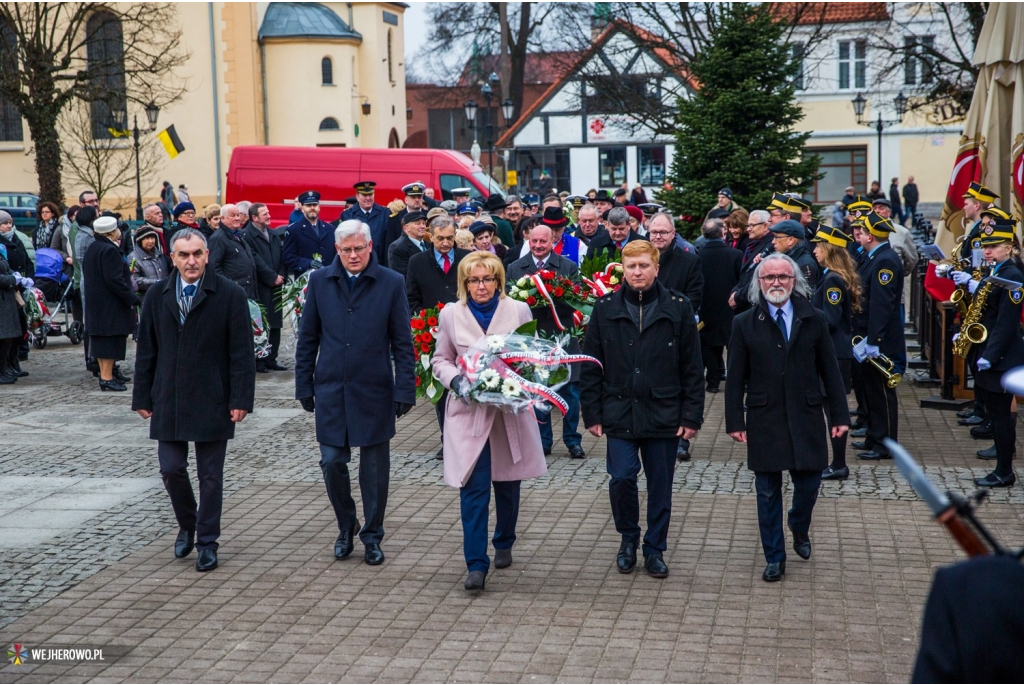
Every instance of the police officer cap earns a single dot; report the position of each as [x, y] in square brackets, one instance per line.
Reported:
[458, 192]
[532, 199]
[414, 189]
[466, 208]
[478, 227]
[310, 197]
[650, 208]
[576, 200]
[365, 187]
[413, 216]
[789, 227]
[450, 206]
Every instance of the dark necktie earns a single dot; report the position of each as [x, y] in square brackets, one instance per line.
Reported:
[351, 282]
[540, 265]
[423, 246]
[185, 304]
[781, 320]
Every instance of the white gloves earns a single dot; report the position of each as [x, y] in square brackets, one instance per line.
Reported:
[960, 277]
[972, 286]
[984, 364]
[872, 351]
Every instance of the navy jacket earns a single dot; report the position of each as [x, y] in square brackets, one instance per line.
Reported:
[881, 278]
[832, 298]
[377, 220]
[1004, 346]
[343, 354]
[303, 240]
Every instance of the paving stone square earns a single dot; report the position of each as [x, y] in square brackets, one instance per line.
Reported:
[86, 560]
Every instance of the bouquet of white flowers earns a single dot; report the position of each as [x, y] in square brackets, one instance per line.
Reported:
[517, 372]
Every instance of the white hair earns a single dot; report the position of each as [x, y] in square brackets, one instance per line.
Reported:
[589, 208]
[760, 216]
[800, 286]
[243, 207]
[350, 228]
[226, 209]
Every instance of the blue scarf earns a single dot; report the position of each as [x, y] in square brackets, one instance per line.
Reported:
[483, 313]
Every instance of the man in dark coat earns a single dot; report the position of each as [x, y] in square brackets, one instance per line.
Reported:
[879, 322]
[195, 378]
[307, 238]
[647, 394]
[790, 238]
[414, 203]
[781, 356]
[617, 234]
[495, 206]
[432, 276]
[355, 321]
[410, 244]
[270, 272]
[230, 255]
[542, 258]
[373, 215]
[910, 198]
[758, 247]
[720, 265]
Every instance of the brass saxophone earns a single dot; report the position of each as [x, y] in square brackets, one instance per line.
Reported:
[961, 297]
[972, 332]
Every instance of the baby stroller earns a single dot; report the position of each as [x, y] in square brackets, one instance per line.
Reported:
[56, 286]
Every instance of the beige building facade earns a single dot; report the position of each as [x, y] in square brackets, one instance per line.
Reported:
[258, 73]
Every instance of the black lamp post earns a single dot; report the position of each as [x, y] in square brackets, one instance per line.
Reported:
[121, 122]
[879, 124]
[488, 92]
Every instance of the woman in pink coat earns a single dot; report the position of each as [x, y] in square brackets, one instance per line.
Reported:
[483, 444]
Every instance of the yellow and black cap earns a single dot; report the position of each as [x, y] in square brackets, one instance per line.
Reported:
[414, 189]
[878, 226]
[981, 193]
[998, 229]
[786, 203]
[859, 204]
[365, 187]
[832, 236]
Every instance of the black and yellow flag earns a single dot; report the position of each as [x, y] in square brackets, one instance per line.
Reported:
[172, 143]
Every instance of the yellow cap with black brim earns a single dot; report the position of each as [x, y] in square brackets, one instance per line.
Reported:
[832, 236]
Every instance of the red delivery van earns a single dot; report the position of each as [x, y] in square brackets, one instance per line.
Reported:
[274, 175]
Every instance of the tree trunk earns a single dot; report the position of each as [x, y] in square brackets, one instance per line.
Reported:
[48, 159]
[517, 60]
[504, 70]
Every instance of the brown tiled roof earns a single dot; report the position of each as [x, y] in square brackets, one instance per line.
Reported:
[830, 12]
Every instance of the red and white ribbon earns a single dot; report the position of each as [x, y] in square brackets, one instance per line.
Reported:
[542, 290]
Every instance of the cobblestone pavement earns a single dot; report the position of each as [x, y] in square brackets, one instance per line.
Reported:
[280, 608]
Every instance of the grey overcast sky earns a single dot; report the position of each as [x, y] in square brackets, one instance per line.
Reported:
[416, 29]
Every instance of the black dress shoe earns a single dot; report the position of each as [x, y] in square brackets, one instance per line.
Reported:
[346, 541]
[502, 558]
[712, 388]
[475, 580]
[184, 543]
[440, 455]
[207, 560]
[261, 368]
[6, 379]
[859, 433]
[626, 561]
[576, 452]
[773, 572]
[972, 420]
[801, 544]
[964, 413]
[15, 370]
[989, 453]
[983, 431]
[858, 424]
[374, 555]
[113, 384]
[859, 445]
[655, 566]
[274, 366]
[835, 474]
[547, 451]
[994, 481]
[682, 454]
[874, 455]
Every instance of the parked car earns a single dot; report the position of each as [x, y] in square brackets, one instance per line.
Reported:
[272, 174]
[22, 206]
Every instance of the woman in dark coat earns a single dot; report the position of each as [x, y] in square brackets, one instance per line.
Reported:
[109, 300]
[150, 264]
[720, 265]
[837, 297]
[10, 325]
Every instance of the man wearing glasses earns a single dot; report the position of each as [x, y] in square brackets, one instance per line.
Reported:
[355, 321]
[758, 247]
[780, 358]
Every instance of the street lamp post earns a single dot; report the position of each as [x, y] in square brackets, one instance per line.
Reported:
[879, 124]
[471, 108]
[121, 122]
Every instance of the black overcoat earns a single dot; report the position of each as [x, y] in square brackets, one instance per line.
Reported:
[681, 271]
[879, 320]
[720, 266]
[652, 380]
[269, 265]
[832, 298]
[426, 283]
[109, 299]
[232, 258]
[17, 255]
[343, 354]
[192, 376]
[762, 248]
[801, 254]
[377, 220]
[602, 243]
[400, 252]
[1004, 346]
[785, 420]
[302, 240]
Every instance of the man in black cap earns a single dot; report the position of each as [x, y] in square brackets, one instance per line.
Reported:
[620, 197]
[495, 206]
[414, 227]
[602, 201]
[373, 215]
[414, 202]
[725, 204]
[308, 237]
[788, 238]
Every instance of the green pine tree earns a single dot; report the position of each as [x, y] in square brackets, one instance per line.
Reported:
[737, 130]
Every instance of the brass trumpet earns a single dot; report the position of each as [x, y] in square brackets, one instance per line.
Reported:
[884, 365]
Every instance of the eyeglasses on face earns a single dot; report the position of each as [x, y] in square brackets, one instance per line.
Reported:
[781, 279]
[486, 280]
[353, 250]
[759, 223]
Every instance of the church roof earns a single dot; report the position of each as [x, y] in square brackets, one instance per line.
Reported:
[304, 20]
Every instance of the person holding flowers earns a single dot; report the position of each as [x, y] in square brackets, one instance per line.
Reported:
[484, 447]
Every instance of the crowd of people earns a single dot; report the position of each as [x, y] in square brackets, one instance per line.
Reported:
[768, 302]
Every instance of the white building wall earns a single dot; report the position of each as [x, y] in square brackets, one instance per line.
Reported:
[531, 134]
[583, 169]
[631, 166]
[565, 130]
